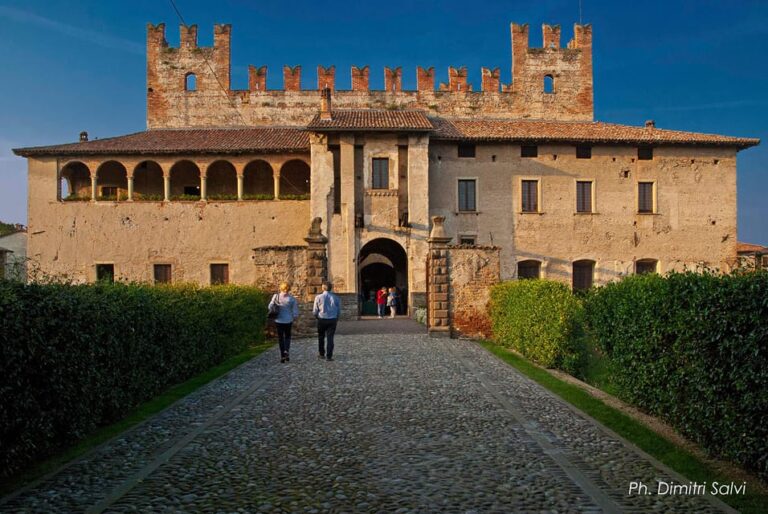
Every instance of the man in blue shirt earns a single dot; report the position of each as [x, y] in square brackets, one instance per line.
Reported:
[326, 309]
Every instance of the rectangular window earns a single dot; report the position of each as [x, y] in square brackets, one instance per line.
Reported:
[105, 273]
[467, 240]
[645, 197]
[466, 150]
[219, 274]
[583, 152]
[645, 266]
[529, 151]
[528, 269]
[162, 273]
[467, 201]
[583, 275]
[530, 196]
[584, 196]
[380, 174]
[644, 153]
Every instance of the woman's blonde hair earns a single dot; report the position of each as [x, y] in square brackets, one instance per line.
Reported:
[285, 287]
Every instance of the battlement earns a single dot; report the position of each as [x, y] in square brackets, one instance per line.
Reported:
[189, 85]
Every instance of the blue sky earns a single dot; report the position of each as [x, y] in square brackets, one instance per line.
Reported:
[690, 65]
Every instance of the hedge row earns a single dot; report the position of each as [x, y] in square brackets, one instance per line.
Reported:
[73, 358]
[693, 350]
[539, 319]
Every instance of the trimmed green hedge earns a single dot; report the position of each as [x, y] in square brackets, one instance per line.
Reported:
[73, 358]
[539, 319]
[693, 349]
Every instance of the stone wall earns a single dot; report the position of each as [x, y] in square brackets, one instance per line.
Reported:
[214, 104]
[472, 271]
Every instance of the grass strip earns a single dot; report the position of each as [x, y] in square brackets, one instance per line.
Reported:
[142, 412]
[635, 432]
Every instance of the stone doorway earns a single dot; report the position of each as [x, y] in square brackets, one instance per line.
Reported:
[382, 263]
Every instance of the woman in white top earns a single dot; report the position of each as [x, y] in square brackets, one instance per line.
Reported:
[288, 310]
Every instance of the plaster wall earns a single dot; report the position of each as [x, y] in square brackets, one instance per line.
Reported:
[694, 224]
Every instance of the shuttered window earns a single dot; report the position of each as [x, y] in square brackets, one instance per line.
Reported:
[645, 197]
[219, 274]
[162, 273]
[583, 275]
[466, 150]
[584, 196]
[467, 193]
[528, 269]
[530, 196]
[380, 174]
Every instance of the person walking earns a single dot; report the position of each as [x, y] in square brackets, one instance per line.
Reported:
[326, 309]
[288, 310]
[392, 302]
[381, 301]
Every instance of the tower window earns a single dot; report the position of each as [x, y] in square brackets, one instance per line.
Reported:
[583, 152]
[549, 84]
[466, 150]
[645, 153]
[381, 173]
[190, 82]
[529, 151]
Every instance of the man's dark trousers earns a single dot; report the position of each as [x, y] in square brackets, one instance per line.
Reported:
[326, 328]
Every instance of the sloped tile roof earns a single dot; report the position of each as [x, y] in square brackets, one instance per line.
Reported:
[575, 131]
[372, 119]
[172, 141]
[749, 247]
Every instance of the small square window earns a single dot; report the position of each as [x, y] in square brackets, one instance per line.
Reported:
[644, 153]
[467, 240]
[583, 152]
[162, 273]
[530, 196]
[380, 173]
[529, 151]
[645, 197]
[105, 273]
[645, 266]
[219, 274]
[467, 195]
[528, 269]
[466, 150]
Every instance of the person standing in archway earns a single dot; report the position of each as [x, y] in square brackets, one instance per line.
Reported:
[381, 301]
[392, 302]
[288, 310]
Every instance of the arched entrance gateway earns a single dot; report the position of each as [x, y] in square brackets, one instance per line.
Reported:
[382, 263]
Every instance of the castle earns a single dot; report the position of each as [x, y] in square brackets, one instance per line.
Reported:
[438, 191]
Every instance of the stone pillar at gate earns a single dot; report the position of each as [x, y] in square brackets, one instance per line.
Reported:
[317, 261]
[438, 315]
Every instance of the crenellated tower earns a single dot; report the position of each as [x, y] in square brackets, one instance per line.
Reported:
[189, 85]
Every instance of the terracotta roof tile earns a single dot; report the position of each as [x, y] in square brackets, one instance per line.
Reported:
[749, 247]
[372, 119]
[573, 131]
[172, 141]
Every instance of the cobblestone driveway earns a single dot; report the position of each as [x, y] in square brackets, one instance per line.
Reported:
[397, 423]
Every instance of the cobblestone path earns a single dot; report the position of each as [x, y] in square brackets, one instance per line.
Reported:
[397, 423]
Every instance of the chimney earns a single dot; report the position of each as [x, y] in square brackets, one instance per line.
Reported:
[650, 124]
[325, 104]
[83, 136]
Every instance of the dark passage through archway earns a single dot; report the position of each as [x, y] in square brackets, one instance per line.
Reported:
[382, 263]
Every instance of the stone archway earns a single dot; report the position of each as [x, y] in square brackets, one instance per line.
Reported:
[382, 262]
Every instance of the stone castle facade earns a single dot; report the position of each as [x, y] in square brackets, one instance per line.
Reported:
[439, 191]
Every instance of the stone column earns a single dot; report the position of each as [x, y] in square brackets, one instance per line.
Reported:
[438, 303]
[167, 188]
[240, 187]
[203, 187]
[276, 179]
[130, 188]
[317, 261]
[93, 187]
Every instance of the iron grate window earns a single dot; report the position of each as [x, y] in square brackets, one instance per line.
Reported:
[381, 173]
[584, 196]
[105, 273]
[529, 151]
[466, 150]
[528, 269]
[583, 275]
[467, 195]
[530, 196]
[645, 197]
[219, 274]
[645, 266]
[162, 273]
